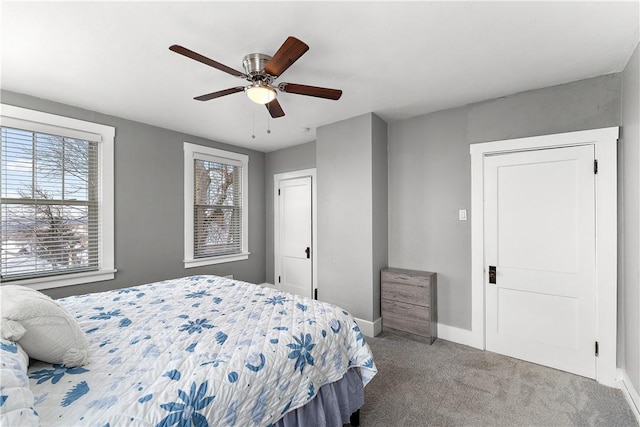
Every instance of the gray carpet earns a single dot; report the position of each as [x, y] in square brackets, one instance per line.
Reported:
[448, 384]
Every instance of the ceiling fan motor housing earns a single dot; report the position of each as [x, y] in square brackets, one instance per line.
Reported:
[254, 64]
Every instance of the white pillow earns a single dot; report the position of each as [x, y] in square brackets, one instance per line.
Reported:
[44, 329]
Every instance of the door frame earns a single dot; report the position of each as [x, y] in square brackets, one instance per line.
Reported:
[276, 223]
[604, 142]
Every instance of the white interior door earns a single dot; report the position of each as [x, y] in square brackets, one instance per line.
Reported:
[294, 230]
[540, 237]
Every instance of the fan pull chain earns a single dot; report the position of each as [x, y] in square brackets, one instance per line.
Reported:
[253, 124]
[268, 125]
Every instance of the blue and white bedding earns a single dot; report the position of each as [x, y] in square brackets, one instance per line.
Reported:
[16, 399]
[201, 350]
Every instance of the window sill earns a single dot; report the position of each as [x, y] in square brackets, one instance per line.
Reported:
[53, 282]
[191, 263]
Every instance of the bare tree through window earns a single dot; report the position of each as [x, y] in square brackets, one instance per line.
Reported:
[49, 204]
[217, 208]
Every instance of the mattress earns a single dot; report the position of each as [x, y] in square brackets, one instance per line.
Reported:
[201, 350]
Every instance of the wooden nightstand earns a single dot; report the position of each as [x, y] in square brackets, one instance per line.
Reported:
[409, 303]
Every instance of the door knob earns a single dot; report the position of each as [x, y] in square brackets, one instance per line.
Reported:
[308, 252]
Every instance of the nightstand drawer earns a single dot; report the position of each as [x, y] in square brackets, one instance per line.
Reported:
[410, 291]
[405, 277]
[405, 317]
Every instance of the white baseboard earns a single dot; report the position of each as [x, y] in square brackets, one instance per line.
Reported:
[630, 393]
[458, 335]
[370, 329]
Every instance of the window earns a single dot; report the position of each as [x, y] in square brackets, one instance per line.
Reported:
[216, 216]
[56, 199]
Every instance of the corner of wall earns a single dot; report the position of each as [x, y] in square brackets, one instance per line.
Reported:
[630, 393]
[629, 232]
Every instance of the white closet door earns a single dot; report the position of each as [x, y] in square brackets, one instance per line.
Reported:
[294, 261]
[540, 237]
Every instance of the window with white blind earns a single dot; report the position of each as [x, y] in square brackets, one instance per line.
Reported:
[56, 213]
[216, 215]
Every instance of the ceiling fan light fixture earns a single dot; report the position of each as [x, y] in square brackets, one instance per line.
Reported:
[261, 93]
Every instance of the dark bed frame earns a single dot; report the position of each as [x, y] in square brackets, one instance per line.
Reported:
[354, 420]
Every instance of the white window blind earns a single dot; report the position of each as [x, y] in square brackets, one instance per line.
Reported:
[215, 206]
[50, 213]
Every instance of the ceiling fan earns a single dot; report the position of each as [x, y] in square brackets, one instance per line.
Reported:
[261, 71]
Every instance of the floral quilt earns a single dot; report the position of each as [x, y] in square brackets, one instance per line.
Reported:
[201, 350]
[16, 400]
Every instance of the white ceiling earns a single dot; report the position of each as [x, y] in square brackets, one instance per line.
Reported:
[396, 59]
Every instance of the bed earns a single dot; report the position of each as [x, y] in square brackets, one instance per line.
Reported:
[201, 350]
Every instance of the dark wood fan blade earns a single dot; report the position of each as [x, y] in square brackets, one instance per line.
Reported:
[210, 62]
[219, 93]
[318, 92]
[275, 109]
[290, 51]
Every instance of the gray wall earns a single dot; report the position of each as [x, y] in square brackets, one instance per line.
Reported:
[149, 202]
[290, 159]
[629, 226]
[380, 205]
[429, 174]
[346, 153]
[429, 181]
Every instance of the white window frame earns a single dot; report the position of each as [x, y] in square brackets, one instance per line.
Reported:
[195, 151]
[37, 121]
